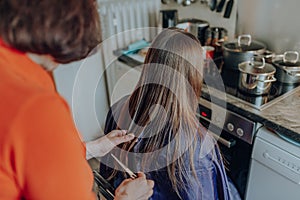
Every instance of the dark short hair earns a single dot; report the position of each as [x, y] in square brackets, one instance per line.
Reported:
[66, 29]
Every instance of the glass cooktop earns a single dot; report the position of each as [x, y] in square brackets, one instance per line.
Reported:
[277, 92]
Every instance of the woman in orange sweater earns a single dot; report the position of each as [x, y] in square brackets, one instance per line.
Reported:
[41, 154]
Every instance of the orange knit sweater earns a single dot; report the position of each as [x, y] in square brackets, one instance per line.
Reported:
[41, 154]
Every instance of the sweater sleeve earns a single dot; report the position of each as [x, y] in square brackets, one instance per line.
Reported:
[49, 156]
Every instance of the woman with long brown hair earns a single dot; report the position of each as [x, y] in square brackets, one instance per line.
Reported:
[171, 145]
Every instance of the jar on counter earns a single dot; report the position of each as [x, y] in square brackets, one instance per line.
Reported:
[215, 31]
[215, 36]
[223, 35]
[208, 37]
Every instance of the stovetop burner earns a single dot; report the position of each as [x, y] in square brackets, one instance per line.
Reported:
[277, 89]
[231, 79]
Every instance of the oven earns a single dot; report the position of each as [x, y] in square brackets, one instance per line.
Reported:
[235, 138]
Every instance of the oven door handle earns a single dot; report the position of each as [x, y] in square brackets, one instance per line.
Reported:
[223, 141]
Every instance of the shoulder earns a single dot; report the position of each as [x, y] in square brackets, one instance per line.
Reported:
[41, 129]
[42, 115]
[19, 96]
[44, 104]
[22, 102]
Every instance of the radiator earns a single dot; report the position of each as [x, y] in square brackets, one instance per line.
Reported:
[119, 16]
[124, 22]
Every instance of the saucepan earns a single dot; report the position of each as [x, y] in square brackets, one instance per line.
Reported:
[256, 77]
[288, 67]
[241, 50]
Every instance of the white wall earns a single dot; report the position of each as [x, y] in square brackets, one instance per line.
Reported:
[275, 22]
[83, 85]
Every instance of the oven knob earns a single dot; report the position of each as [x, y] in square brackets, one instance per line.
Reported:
[230, 127]
[240, 132]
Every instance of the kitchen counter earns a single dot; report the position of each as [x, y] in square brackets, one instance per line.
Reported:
[281, 116]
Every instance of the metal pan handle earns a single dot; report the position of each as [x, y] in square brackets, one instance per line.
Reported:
[255, 60]
[221, 5]
[244, 40]
[272, 79]
[293, 73]
[223, 141]
[290, 57]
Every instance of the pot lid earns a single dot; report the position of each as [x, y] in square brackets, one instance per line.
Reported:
[288, 59]
[244, 43]
[257, 67]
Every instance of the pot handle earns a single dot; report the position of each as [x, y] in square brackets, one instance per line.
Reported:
[244, 39]
[272, 79]
[290, 57]
[260, 59]
[293, 73]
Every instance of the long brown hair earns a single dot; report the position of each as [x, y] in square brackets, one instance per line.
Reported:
[65, 29]
[162, 108]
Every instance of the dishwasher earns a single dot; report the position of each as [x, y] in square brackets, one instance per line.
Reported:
[275, 168]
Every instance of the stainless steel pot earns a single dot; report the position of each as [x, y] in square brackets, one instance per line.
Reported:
[283, 88]
[241, 50]
[287, 67]
[256, 77]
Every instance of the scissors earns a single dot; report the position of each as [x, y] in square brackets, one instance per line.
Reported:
[127, 170]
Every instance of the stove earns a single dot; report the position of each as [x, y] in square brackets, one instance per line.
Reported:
[233, 123]
[277, 92]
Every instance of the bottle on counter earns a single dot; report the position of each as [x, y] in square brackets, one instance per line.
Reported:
[219, 36]
[216, 41]
[223, 35]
